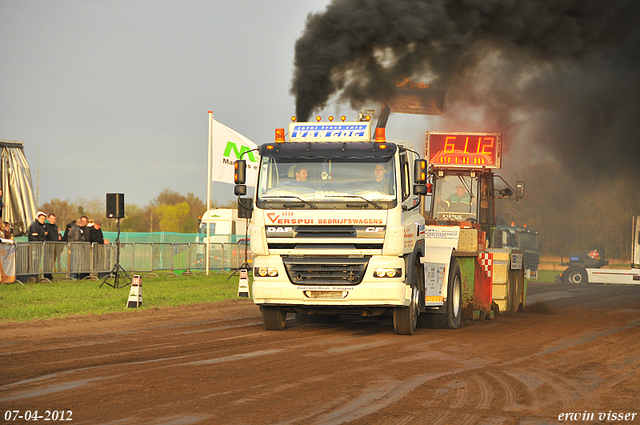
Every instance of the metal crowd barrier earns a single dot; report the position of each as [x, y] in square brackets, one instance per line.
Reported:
[82, 260]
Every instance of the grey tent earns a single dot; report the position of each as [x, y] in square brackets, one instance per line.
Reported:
[17, 191]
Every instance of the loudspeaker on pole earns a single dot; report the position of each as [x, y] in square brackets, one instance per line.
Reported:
[243, 284]
[115, 205]
[135, 295]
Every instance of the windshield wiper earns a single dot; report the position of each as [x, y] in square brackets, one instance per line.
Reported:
[291, 196]
[355, 196]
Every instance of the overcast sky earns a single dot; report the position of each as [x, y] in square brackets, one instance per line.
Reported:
[112, 96]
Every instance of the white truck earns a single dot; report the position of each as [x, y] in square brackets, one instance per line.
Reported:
[585, 266]
[336, 225]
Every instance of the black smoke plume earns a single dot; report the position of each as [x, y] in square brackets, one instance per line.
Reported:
[561, 74]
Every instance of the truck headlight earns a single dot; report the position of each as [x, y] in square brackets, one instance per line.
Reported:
[386, 272]
[266, 271]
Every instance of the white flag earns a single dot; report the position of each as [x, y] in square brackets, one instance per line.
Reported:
[229, 145]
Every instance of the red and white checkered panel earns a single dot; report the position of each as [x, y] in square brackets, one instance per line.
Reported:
[486, 262]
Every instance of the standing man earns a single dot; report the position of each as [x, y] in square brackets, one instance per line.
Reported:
[96, 232]
[100, 256]
[37, 233]
[51, 250]
[52, 229]
[74, 234]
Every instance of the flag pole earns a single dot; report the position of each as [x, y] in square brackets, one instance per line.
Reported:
[207, 215]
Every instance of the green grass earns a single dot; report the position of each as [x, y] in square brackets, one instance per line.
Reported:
[58, 299]
[546, 276]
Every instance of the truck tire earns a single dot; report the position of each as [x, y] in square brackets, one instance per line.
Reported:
[454, 297]
[575, 275]
[273, 318]
[453, 316]
[405, 319]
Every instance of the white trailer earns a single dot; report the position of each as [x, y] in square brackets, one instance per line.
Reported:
[224, 226]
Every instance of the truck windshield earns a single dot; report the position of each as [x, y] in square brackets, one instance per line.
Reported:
[327, 182]
[528, 240]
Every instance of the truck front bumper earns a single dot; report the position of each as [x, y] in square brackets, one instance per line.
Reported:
[370, 292]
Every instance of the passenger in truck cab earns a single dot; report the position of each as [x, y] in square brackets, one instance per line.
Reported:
[301, 173]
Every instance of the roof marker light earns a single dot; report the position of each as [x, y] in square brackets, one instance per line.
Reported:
[330, 118]
[279, 135]
[293, 118]
[343, 118]
[318, 118]
[380, 135]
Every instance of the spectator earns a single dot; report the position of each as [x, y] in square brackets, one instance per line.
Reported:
[96, 232]
[86, 234]
[53, 234]
[37, 231]
[74, 234]
[100, 253]
[8, 234]
[51, 251]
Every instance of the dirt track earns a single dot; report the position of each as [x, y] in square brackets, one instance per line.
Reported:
[578, 351]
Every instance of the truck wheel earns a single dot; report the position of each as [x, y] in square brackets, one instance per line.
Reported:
[405, 319]
[575, 275]
[454, 297]
[273, 318]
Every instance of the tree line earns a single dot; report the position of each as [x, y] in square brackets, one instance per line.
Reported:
[170, 211]
[568, 212]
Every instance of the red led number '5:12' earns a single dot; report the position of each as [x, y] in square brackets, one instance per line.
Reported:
[484, 145]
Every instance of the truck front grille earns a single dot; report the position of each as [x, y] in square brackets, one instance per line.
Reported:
[325, 270]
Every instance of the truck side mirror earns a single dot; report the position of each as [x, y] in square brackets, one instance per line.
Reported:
[519, 190]
[240, 171]
[245, 207]
[420, 171]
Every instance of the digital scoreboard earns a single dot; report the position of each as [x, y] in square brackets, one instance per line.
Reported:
[463, 150]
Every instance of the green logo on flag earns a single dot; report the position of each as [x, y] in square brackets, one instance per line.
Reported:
[232, 146]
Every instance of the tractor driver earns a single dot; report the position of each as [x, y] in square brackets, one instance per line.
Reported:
[459, 201]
